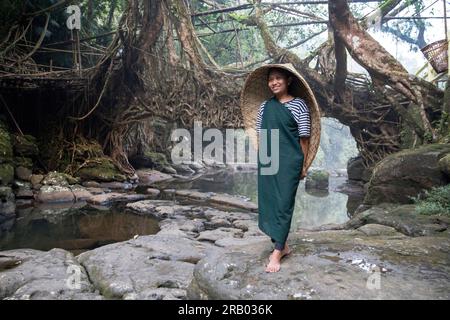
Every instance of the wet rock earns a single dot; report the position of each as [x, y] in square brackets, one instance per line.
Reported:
[372, 229]
[171, 227]
[95, 191]
[130, 269]
[355, 168]
[80, 193]
[36, 179]
[219, 233]
[169, 170]
[116, 185]
[23, 162]
[402, 218]
[7, 204]
[105, 198]
[148, 176]
[101, 169]
[195, 165]
[340, 172]
[6, 173]
[157, 294]
[90, 184]
[153, 191]
[250, 227]
[345, 264]
[8, 262]
[153, 160]
[183, 168]
[37, 187]
[45, 275]
[230, 241]
[25, 145]
[169, 191]
[23, 173]
[406, 174]
[219, 199]
[217, 222]
[6, 149]
[236, 202]
[24, 191]
[55, 178]
[55, 193]
[170, 211]
[444, 164]
[211, 214]
[189, 227]
[196, 195]
[159, 208]
[317, 179]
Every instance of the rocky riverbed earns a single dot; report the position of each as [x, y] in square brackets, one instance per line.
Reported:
[207, 253]
[208, 246]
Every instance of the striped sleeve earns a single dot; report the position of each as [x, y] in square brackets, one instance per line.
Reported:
[301, 114]
[259, 117]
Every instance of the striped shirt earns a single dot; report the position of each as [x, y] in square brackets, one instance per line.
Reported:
[298, 109]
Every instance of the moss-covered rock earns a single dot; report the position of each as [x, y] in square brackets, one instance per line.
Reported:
[317, 179]
[25, 145]
[444, 164]
[100, 169]
[6, 150]
[23, 162]
[54, 178]
[23, 173]
[407, 173]
[7, 204]
[6, 173]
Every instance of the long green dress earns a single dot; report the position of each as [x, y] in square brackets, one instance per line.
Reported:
[276, 192]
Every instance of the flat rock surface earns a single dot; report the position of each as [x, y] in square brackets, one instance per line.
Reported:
[343, 264]
[144, 267]
[44, 275]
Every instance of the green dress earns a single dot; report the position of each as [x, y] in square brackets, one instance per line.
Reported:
[276, 192]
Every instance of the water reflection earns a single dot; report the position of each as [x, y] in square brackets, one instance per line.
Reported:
[313, 208]
[74, 228]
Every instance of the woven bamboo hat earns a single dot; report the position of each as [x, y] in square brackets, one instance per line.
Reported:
[256, 90]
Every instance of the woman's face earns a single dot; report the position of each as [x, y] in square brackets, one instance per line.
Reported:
[278, 82]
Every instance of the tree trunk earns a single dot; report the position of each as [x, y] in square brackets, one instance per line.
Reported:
[381, 65]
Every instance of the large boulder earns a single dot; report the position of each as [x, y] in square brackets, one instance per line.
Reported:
[402, 217]
[25, 145]
[406, 174]
[100, 169]
[357, 171]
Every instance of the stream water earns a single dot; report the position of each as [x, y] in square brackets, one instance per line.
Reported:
[80, 227]
[313, 207]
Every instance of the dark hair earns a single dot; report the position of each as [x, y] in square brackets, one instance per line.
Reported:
[285, 72]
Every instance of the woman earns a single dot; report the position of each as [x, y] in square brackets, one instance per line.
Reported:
[276, 192]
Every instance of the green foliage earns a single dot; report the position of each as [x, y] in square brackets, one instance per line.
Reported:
[435, 201]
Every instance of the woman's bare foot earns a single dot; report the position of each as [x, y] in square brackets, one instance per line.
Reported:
[286, 251]
[274, 261]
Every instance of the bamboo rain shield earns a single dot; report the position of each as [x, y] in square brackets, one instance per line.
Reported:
[276, 192]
